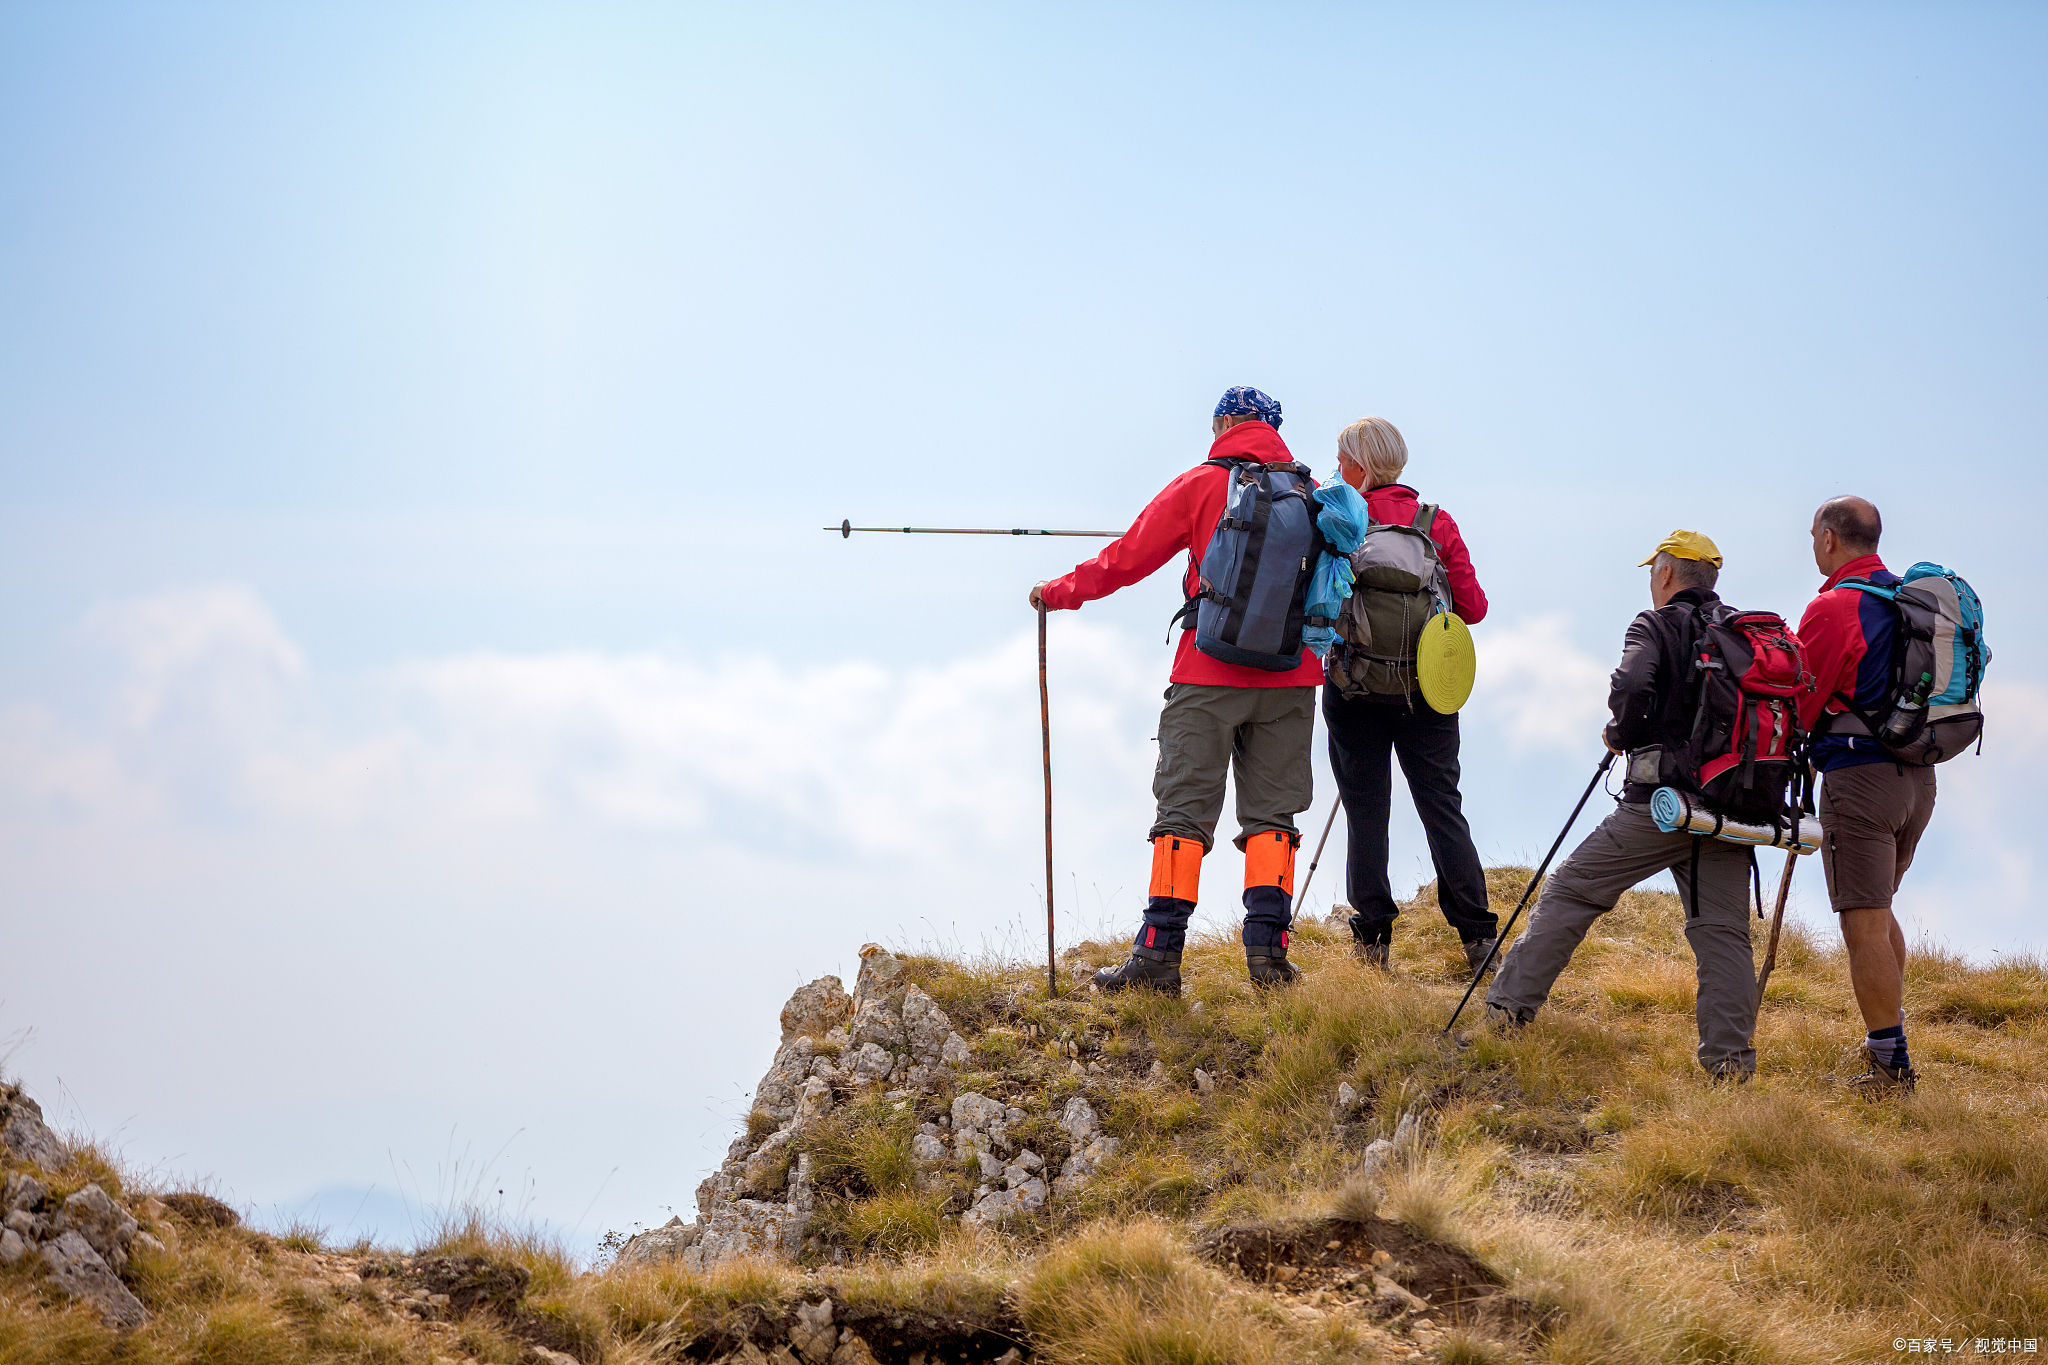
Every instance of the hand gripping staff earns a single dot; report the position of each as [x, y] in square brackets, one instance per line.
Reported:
[1502, 937]
[846, 529]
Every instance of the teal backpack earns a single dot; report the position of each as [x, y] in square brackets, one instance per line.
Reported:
[1930, 713]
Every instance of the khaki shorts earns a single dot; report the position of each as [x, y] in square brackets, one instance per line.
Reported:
[1871, 818]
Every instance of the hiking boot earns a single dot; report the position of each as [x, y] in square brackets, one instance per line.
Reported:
[1495, 1023]
[1728, 1073]
[1882, 1080]
[1148, 969]
[1476, 953]
[1372, 954]
[1270, 967]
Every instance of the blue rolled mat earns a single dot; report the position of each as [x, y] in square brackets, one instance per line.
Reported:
[1677, 813]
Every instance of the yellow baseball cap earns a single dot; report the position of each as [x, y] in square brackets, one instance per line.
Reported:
[1686, 545]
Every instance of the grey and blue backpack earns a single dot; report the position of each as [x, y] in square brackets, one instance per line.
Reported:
[1929, 713]
[1251, 605]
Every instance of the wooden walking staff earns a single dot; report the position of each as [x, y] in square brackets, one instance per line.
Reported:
[1052, 971]
[1777, 923]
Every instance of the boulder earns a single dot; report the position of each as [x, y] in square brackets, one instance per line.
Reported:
[1080, 1121]
[1000, 1204]
[77, 1270]
[747, 1227]
[106, 1227]
[13, 1246]
[815, 1010]
[659, 1245]
[23, 1134]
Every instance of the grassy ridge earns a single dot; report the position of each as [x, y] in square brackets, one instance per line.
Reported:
[1637, 1213]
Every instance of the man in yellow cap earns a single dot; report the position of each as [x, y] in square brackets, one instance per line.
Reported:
[1652, 697]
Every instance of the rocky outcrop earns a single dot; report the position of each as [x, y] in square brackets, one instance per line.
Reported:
[890, 1037]
[86, 1241]
[887, 1035]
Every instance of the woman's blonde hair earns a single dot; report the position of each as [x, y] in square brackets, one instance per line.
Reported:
[1375, 445]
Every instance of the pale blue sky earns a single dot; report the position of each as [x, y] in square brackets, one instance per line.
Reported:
[375, 376]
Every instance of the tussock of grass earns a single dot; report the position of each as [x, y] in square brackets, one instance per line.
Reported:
[1133, 1295]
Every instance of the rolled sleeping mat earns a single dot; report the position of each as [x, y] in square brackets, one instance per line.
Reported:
[1677, 813]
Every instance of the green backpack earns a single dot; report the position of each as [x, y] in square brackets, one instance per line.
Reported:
[1401, 583]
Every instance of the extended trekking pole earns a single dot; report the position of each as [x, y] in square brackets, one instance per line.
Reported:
[1328, 824]
[1052, 970]
[847, 528]
[1502, 936]
[1777, 923]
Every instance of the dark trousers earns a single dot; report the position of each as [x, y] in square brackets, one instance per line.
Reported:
[1363, 735]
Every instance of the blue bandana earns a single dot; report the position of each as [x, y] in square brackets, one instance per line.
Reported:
[1242, 400]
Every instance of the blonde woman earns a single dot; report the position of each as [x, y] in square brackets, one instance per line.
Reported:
[1375, 714]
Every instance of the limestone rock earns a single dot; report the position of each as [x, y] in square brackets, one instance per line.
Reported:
[927, 1149]
[978, 1111]
[1079, 1120]
[22, 1192]
[747, 1227]
[955, 1051]
[78, 1270]
[881, 975]
[659, 1245]
[852, 1351]
[1347, 1097]
[1377, 1158]
[1081, 1167]
[23, 1134]
[813, 1337]
[25, 1224]
[767, 1170]
[1204, 1082]
[871, 1062]
[106, 1227]
[776, 1093]
[815, 1010]
[1000, 1204]
[13, 1246]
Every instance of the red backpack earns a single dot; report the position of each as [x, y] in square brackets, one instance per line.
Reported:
[1746, 755]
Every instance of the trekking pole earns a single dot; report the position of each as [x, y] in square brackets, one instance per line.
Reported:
[1052, 970]
[847, 528]
[1328, 824]
[1502, 936]
[1777, 923]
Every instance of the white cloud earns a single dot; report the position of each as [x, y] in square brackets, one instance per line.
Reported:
[1542, 690]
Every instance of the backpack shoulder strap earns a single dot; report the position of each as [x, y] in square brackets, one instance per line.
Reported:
[1425, 517]
[1889, 594]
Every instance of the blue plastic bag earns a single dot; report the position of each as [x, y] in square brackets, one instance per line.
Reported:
[1342, 521]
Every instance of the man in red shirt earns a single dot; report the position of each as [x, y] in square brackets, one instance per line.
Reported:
[1219, 718]
[1873, 809]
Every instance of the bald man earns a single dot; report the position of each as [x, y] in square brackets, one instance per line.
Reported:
[1873, 809]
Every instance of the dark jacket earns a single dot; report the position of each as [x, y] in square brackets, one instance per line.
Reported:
[1652, 691]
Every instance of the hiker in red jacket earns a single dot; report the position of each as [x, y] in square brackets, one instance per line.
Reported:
[1873, 809]
[1386, 718]
[1219, 718]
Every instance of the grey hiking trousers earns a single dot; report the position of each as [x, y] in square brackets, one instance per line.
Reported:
[1626, 849]
[1206, 732]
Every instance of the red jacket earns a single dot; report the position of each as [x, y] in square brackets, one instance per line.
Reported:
[1396, 503]
[1847, 636]
[1183, 517]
